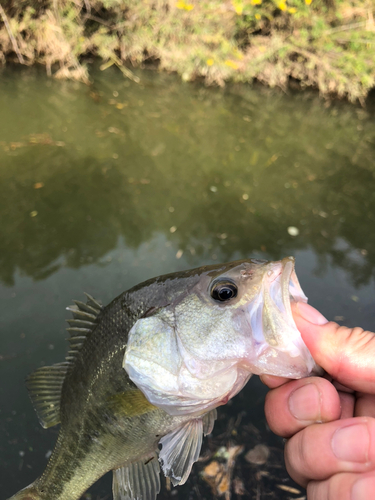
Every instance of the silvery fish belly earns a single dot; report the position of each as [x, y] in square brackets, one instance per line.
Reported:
[143, 376]
[200, 350]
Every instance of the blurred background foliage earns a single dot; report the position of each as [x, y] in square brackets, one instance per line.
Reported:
[326, 44]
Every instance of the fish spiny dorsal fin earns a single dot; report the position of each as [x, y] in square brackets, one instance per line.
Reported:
[44, 386]
[137, 481]
[94, 303]
[83, 322]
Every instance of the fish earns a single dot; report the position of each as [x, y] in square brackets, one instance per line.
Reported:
[144, 375]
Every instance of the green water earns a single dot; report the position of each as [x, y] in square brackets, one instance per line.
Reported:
[104, 187]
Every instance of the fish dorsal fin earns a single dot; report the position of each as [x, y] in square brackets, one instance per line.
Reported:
[83, 322]
[45, 383]
[180, 449]
[44, 386]
[209, 422]
[137, 481]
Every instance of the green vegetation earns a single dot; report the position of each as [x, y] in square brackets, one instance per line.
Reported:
[327, 44]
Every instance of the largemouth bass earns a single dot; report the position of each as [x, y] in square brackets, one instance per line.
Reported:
[151, 368]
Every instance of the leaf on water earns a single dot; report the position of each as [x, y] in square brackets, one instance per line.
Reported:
[293, 231]
[159, 149]
[212, 469]
[219, 475]
[238, 486]
[258, 455]
[289, 489]
[216, 476]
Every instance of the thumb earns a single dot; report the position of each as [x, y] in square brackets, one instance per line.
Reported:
[347, 354]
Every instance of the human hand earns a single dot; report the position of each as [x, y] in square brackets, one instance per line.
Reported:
[330, 424]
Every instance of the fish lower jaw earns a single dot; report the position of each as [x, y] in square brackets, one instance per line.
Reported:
[272, 361]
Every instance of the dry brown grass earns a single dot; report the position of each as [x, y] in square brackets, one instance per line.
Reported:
[272, 41]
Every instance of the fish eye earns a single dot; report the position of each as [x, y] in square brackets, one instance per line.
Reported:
[223, 290]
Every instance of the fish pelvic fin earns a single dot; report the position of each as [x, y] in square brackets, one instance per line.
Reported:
[180, 449]
[209, 422]
[137, 481]
[44, 386]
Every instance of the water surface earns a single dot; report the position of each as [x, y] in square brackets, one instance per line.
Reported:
[104, 187]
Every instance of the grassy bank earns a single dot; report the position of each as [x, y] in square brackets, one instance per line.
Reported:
[327, 44]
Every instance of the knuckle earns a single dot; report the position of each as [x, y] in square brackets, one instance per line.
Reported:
[318, 490]
[351, 342]
[296, 458]
[334, 488]
[357, 338]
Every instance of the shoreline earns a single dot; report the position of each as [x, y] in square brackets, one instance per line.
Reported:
[321, 44]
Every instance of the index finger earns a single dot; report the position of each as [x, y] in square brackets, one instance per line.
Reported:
[347, 354]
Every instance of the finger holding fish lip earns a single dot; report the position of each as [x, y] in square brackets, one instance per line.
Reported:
[335, 459]
[347, 354]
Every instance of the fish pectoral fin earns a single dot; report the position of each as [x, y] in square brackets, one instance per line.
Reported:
[209, 422]
[180, 449]
[137, 481]
[44, 386]
[130, 403]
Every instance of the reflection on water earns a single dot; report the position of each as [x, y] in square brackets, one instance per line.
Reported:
[219, 173]
[103, 187]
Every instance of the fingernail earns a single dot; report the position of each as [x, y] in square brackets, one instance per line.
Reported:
[304, 403]
[363, 489]
[310, 314]
[351, 443]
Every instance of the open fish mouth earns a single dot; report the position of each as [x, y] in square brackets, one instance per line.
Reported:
[291, 289]
[288, 289]
[279, 348]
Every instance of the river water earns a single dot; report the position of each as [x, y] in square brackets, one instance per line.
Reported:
[105, 186]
